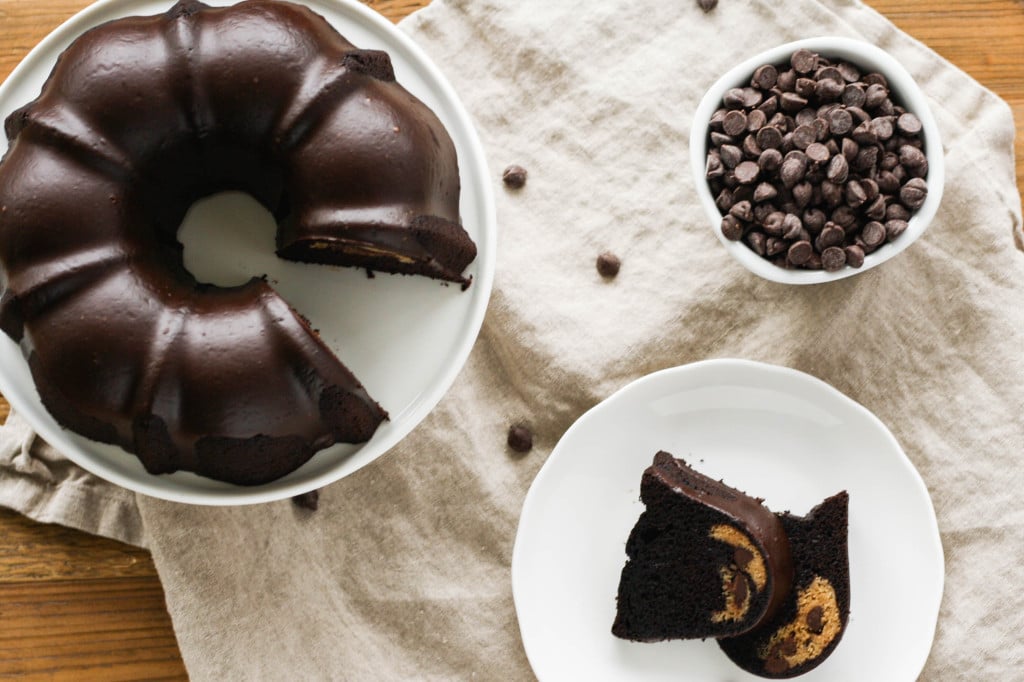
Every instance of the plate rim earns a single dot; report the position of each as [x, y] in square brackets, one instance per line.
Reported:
[474, 174]
[673, 374]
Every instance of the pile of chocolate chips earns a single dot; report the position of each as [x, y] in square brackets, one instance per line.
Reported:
[814, 165]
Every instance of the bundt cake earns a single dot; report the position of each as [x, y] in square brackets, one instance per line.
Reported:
[807, 628]
[704, 559]
[140, 118]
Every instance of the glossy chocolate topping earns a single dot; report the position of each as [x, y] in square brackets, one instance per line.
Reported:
[749, 514]
[140, 118]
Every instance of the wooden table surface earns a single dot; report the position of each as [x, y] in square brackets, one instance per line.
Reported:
[73, 606]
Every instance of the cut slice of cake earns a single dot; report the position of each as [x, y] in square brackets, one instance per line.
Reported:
[704, 559]
[809, 625]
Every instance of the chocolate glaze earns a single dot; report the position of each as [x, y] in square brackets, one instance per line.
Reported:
[748, 513]
[145, 115]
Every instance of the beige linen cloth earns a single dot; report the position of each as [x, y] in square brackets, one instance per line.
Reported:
[403, 573]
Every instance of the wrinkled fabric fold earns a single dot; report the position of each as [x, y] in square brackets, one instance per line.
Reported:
[404, 572]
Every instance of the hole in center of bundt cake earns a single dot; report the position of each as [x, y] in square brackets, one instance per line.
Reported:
[228, 239]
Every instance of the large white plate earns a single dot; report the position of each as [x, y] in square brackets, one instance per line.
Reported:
[405, 338]
[770, 431]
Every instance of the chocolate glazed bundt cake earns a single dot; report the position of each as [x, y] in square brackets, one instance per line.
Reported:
[140, 118]
[707, 561]
[704, 559]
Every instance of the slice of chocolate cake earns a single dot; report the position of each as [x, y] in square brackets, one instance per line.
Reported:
[810, 623]
[704, 559]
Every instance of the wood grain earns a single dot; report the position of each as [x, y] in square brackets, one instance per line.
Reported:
[77, 607]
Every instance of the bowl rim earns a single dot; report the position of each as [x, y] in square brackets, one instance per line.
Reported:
[866, 56]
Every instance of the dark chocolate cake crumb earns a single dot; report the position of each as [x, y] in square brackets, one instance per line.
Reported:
[608, 264]
[370, 273]
[310, 500]
[514, 177]
[520, 438]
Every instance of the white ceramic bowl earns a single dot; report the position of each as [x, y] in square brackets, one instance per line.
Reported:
[904, 90]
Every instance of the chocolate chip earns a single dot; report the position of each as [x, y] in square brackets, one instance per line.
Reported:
[854, 255]
[792, 226]
[791, 102]
[792, 171]
[894, 228]
[756, 120]
[742, 210]
[765, 77]
[735, 122]
[775, 664]
[707, 5]
[308, 500]
[914, 193]
[739, 588]
[830, 235]
[817, 152]
[788, 645]
[911, 157]
[833, 258]
[853, 95]
[514, 177]
[714, 167]
[804, 61]
[608, 264]
[765, 191]
[742, 556]
[804, 135]
[757, 241]
[815, 621]
[747, 172]
[732, 228]
[840, 121]
[770, 160]
[849, 72]
[875, 95]
[734, 98]
[873, 233]
[731, 155]
[838, 169]
[769, 137]
[799, 252]
[520, 438]
[908, 124]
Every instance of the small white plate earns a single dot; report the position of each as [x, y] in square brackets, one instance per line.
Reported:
[405, 338]
[772, 432]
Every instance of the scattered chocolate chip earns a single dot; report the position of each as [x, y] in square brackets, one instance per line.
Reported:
[514, 177]
[707, 5]
[520, 438]
[309, 500]
[608, 264]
